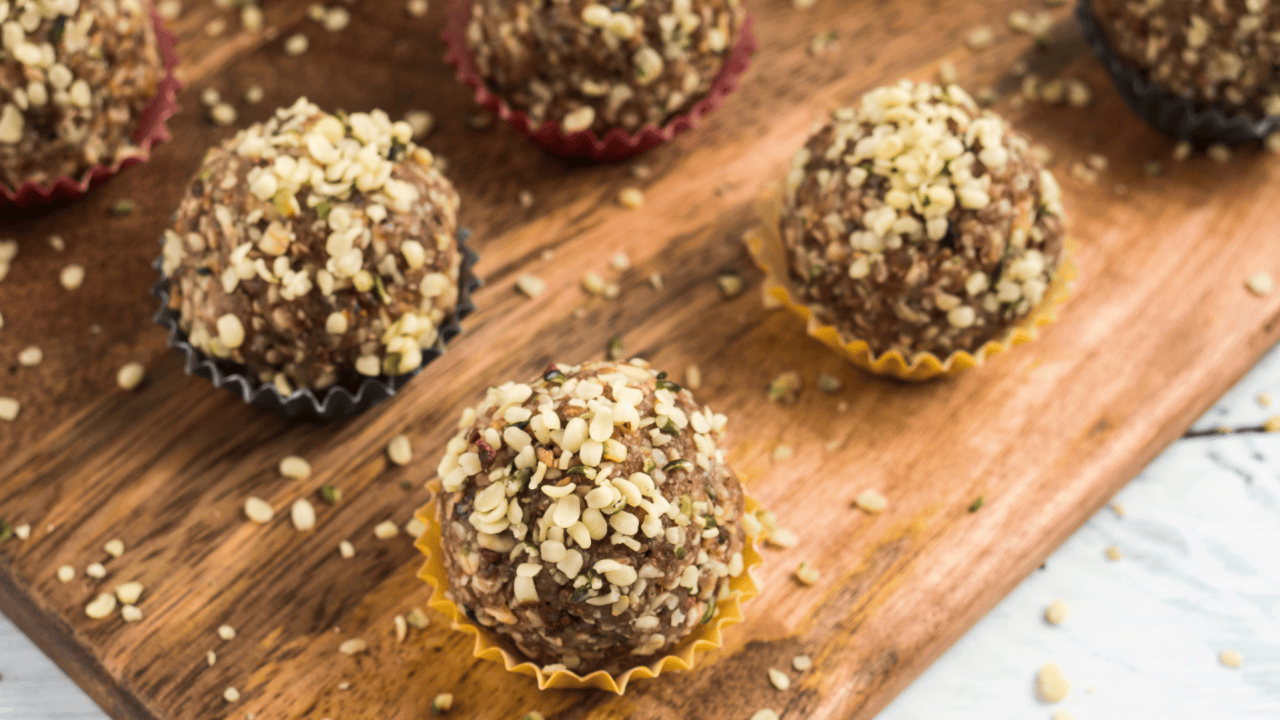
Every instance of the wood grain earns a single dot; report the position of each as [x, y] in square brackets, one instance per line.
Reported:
[1160, 325]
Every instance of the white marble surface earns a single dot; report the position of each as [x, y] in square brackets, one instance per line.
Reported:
[1200, 574]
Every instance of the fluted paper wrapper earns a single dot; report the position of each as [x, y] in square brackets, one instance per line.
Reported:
[769, 253]
[617, 144]
[706, 637]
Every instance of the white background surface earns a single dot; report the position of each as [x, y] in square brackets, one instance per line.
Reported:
[1200, 574]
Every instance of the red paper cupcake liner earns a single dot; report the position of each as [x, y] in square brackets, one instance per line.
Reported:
[617, 144]
[151, 130]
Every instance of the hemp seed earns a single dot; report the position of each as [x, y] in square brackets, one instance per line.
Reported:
[254, 94]
[531, 285]
[631, 198]
[114, 547]
[980, 38]
[801, 663]
[296, 44]
[1231, 658]
[386, 530]
[871, 502]
[416, 8]
[231, 695]
[295, 467]
[9, 409]
[222, 114]
[807, 574]
[779, 679]
[399, 450]
[416, 618]
[1051, 684]
[131, 376]
[1113, 553]
[96, 571]
[72, 276]
[102, 606]
[258, 510]
[353, 646]
[1056, 612]
[226, 632]
[130, 613]
[66, 574]
[303, 514]
[128, 593]
[1260, 284]
[346, 549]
[442, 703]
[30, 356]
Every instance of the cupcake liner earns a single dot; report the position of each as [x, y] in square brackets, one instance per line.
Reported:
[333, 403]
[151, 130]
[769, 253]
[706, 637]
[1171, 114]
[617, 144]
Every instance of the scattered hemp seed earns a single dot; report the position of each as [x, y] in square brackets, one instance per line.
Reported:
[130, 613]
[525, 198]
[66, 574]
[416, 618]
[222, 114]
[97, 571]
[1043, 154]
[386, 530]
[1153, 168]
[829, 383]
[296, 44]
[1051, 684]
[782, 453]
[215, 27]
[1272, 142]
[346, 549]
[980, 38]
[641, 172]
[9, 409]
[401, 629]
[415, 528]
[1062, 715]
[102, 606]
[1182, 150]
[1113, 553]
[779, 679]
[114, 547]
[1260, 284]
[210, 96]
[231, 695]
[693, 377]
[803, 4]
[782, 538]
[336, 20]
[823, 42]
[330, 494]
[128, 593]
[1264, 400]
[121, 208]
[765, 714]
[1118, 509]
[72, 276]
[258, 510]
[1097, 161]
[169, 9]
[614, 350]
[977, 503]
[1056, 612]
[593, 283]
[416, 8]
[801, 663]
[442, 703]
[226, 632]
[986, 96]
[6, 531]
[871, 502]
[479, 120]
[1079, 94]
[655, 281]
[947, 73]
[1272, 424]
[631, 198]
[531, 285]
[303, 514]
[399, 450]
[612, 291]
[785, 388]
[1084, 174]
[22, 532]
[353, 646]
[295, 467]
[730, 284]
[210, 658]
[131, 376]
[1219, 153]
[534, 715]
[30, 356]
[254, 94]
[620, 262]
[251, 18]
[1231, 658]
[807, 575]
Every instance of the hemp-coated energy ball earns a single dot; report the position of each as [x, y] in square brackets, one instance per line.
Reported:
[75, 76]
[588, 518]
[1225, 54]
[918, 223]
[316, 248]
[597, 66]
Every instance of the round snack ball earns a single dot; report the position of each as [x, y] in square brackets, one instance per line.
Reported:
[315, 249]
[1218, 53]
[596, 66]
[918, 223]
[589, 518]
[75, 76]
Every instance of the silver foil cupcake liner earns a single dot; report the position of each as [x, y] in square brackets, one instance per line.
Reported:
[330, 404]
[1167, 112]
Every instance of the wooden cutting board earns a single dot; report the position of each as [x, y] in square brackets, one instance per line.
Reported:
[1159, 326]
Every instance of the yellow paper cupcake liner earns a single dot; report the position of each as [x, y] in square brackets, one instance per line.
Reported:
[706, 637]
[769, 253]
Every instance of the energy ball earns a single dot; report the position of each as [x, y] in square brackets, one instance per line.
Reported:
[918, 223]
[75, 76]
[589, 518]
[591, 66]
[1225, 54]
[316, 248]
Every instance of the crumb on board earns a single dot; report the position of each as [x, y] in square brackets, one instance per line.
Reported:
[801, 663]
[1051, 685]
[779, 679]
[1113, 553]
[1056, 612]
[1231, 658]
[871, 502]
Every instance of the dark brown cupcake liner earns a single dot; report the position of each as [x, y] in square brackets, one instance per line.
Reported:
[332, 403]
[1167, 112]
[617, 144]
[151, 130]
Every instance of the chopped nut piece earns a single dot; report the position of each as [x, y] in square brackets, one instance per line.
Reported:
[72, 276]
[23, 531]
[782, 538]
[593, 283]
[303, 515]
[9, 409]
[102, 606]
[525, 198]
[222, 114]
[386, 530]
[531, 285]
[1113, 553]
[295, 467]
[1056, 612]
[415, 528]
[114, 547]
[631, 198]
[258, 510]
[254, 94]
[693, 377]
[1218, 152]
[1051, 685]
[871, 502]
[1260, 284]
[129, 592]
[980, 38]
[296, 44]
[780, 679]
[1264, 400]
[231, 695]
[416, 618]
[785, 388]
[442, 703]
[399, 450]
[353, 646]
[782, 453]
[416, 8]
[1231, 658]
[730, 284]
[807, 575]
[829, 383]
[226, 632]
[346, 549]
[96, 571]
[1272, 424]
[66, 574]
[169, 9]
[30, 356]
[401, 629]
[1182, 150]
[1118, 509]
[1272, 143]
[801, 663]
[131, 376]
